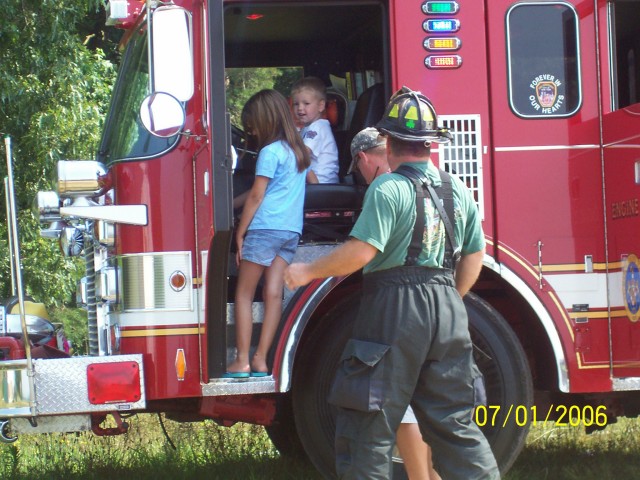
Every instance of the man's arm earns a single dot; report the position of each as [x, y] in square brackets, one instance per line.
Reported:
[347, 258]
[468, 270]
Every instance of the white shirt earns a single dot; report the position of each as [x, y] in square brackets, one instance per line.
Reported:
[324, 151]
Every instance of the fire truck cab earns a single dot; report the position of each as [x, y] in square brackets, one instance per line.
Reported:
[543, 101]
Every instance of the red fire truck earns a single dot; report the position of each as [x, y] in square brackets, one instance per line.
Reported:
[543, 100]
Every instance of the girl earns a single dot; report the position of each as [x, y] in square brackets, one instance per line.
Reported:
[270, 224]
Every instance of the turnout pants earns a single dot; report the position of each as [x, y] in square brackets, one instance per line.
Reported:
[410, 345]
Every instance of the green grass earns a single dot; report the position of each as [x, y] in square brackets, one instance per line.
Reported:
[206, 450]
[567, 453]
[203, 450]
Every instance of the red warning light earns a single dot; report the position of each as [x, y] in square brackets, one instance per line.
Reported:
[443, 61]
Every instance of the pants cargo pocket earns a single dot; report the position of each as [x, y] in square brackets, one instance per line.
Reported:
[358, 382]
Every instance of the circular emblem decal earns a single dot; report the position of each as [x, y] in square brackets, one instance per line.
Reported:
[547, 95]
[631, 287]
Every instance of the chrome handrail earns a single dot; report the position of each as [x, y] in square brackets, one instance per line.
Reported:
[15, 257]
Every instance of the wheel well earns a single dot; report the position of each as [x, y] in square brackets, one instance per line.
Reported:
[526, 325]
[501, 296]
[348, 286]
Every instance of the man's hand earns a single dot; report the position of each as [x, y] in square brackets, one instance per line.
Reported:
[297, 275]
[347, 258]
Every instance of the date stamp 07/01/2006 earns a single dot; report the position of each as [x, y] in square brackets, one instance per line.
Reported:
[556, 415]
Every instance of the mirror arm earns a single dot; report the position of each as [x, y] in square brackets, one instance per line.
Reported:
[150, 46]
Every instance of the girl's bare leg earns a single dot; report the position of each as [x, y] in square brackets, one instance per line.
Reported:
[272, 295]
[415, 453]
[248, 278]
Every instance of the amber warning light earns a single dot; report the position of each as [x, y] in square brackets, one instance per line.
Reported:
[442, 43]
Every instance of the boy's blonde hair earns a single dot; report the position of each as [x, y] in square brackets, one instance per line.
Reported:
[311, 83]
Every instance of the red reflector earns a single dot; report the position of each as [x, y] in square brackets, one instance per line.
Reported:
[113, 382]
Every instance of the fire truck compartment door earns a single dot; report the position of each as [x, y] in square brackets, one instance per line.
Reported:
[621, 130]
[621, 167]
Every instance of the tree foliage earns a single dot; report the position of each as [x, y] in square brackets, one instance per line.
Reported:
[244, 82]
[55, 83]
[56, 75]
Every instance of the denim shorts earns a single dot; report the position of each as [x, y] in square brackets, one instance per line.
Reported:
[262, 246]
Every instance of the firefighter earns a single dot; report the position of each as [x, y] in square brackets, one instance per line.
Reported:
[410, 342]
[369, 159]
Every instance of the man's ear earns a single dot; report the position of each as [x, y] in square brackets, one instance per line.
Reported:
[323, 105]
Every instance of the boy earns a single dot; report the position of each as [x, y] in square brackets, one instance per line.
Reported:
[309, 101]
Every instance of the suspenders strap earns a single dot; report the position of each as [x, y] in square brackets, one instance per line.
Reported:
[445, 208]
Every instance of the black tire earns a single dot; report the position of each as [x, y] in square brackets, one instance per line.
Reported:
[497, 351]
[503, 362]
[283, 432]
[314, 417]
[315, 367]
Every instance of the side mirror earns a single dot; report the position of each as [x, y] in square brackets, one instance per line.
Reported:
[172, 56]
[162, 114]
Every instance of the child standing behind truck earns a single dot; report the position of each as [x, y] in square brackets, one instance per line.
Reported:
[309, 102]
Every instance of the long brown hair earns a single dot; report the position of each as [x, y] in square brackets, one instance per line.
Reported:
[266, 118]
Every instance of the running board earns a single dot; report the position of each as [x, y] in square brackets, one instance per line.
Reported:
[238, 386]
[626, 384]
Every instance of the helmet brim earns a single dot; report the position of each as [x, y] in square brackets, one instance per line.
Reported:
[429, 137]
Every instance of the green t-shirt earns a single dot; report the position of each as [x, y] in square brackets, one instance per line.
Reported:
[389, 212]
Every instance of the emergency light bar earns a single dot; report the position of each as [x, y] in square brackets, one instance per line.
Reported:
[441, 25]
[440, 8]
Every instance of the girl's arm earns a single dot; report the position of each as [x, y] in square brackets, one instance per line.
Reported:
[239, 200]
[253, 201]
[311, 177]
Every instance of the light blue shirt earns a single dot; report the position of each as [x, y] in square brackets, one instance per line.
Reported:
[283, 202]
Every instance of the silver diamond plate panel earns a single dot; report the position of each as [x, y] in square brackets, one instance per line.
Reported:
[62, 424]
[626, 384]
[238, 386]
[307, 254]
[61, 385]
[257, 312]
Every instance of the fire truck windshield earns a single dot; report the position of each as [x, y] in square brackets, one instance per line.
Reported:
[124, 136]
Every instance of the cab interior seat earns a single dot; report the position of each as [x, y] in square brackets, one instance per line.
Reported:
[367, 112]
